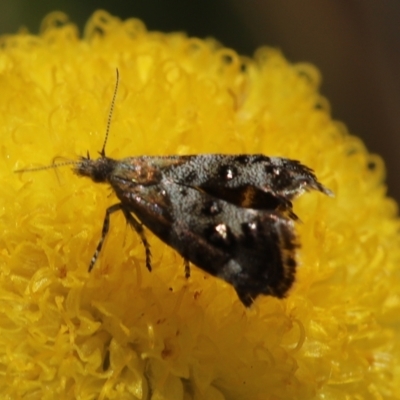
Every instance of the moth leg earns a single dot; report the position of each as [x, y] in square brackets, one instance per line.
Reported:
[106, 226]
[187, 267]
[138, 227]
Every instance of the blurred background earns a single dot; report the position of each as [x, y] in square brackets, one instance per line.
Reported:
[354, 43]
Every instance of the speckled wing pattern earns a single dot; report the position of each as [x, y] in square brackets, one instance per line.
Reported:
[238, 214]
[230, 215]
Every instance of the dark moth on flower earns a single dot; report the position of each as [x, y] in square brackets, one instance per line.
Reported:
[230, 215]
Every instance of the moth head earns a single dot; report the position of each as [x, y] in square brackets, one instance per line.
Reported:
[98, 170]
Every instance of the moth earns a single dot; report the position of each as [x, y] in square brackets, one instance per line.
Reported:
[230, 215]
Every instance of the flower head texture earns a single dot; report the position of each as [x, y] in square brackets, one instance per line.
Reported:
[122, 332]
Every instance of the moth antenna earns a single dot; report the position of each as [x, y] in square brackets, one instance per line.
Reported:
[103, 150]
[63, 164]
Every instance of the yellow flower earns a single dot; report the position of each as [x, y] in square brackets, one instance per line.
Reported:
[121, 332]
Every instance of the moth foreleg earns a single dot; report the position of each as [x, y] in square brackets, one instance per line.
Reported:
[138, 227]
[106, 226]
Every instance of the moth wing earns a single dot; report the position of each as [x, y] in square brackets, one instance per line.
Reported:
[252, 250]
[247, 181]
[264, 260]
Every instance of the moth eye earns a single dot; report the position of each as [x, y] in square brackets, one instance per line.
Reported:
[211, 208]
[227, 172]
